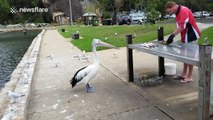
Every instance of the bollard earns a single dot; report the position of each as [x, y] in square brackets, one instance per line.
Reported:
[160, 34]
[75, 36]
[62, 30]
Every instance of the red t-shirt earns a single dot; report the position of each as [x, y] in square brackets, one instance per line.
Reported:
[186, 20]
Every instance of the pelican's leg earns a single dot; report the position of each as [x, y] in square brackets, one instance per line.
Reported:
[89, 88]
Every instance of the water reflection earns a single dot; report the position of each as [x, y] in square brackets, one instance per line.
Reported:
[13, 46]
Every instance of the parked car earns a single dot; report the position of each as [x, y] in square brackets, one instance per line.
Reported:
[211, 14]
[123, 19]
[170, 16]
[200, 14]
[138, 18]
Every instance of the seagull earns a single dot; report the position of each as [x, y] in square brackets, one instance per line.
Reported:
[14, 95]
[116, 34]
[50, 56]
[25, 77]
[56, 64]
[85, 74]
[134, 35]
[8, 115]
[85, 56]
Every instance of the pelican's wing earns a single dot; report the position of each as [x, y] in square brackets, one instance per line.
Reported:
[84, 74]
[76, 78]
[88, 73]
[80, 74]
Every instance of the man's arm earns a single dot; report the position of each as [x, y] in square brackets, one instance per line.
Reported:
[174, 33]
[177, 30]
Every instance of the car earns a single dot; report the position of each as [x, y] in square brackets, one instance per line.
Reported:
[138, 18]
[123, 19]
[170, 16]
[200, 14]
[211, 14]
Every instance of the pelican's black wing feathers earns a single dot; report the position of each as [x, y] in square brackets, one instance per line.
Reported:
[74, 80]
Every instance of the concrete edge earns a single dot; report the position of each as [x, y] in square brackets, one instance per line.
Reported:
[20, 82]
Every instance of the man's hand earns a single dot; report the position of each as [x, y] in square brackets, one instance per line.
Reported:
[170, 39]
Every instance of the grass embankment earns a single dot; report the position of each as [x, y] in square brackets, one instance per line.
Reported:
[207, 33]
[144, 33]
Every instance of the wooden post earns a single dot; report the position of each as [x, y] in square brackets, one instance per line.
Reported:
[129, 59]
[204, 84]
[161, 68]
[211, 93]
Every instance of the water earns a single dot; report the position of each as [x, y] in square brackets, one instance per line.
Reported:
[13, 46]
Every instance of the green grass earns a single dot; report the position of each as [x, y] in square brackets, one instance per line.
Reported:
[206, 33]
[144, 33]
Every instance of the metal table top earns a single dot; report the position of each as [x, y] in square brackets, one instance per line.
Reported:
[186, 53]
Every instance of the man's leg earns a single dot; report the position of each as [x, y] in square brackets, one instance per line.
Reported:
[184, 70]
[183, 74]
[189, 75]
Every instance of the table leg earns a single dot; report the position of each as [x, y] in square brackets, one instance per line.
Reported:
[161, 68]
[129, 59]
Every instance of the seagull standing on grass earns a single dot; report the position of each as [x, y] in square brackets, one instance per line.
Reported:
[85, 74]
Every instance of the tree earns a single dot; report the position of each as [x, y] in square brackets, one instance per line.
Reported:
[108, 7]
[5, 10]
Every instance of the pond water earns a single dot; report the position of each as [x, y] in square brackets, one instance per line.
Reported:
[13, 46]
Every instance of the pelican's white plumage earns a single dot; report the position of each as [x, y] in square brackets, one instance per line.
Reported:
[85, 74]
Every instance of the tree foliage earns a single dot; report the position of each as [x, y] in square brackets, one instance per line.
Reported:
[4, 9]
[151, 5]
[110, 7]
[7, 17]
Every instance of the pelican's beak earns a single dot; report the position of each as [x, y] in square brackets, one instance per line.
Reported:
[101, 43]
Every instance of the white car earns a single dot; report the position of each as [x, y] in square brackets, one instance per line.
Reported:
[200, 14]
[138, 18]
[170, 16]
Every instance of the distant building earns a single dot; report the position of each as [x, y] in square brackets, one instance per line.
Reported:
[58, 16]
[63, 6]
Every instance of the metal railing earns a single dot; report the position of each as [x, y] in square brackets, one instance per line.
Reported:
[28, 26]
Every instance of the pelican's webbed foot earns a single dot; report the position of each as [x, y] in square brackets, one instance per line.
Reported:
[89, 88]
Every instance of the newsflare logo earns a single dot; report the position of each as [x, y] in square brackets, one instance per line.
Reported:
[14, 10]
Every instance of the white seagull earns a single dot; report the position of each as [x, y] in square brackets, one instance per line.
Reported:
[85, 74]
[8, 115]
[14, 96]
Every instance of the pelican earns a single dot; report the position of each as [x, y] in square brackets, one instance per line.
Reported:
[85, 74]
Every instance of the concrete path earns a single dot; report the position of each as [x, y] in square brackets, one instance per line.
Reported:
[115, 98]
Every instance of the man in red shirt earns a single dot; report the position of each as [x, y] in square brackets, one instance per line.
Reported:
[186, 25]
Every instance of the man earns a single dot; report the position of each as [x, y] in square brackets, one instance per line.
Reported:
[186, 25]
